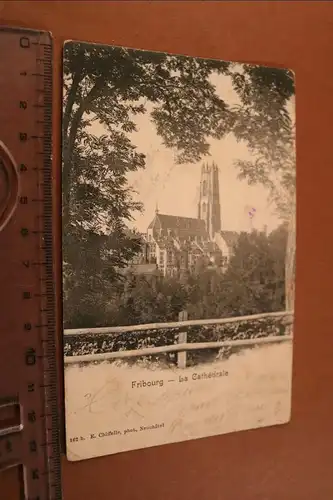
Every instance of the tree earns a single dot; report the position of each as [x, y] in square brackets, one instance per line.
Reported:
[265, 124]
[141, 299]
[91, 266]
[278, 241]
[255, 278]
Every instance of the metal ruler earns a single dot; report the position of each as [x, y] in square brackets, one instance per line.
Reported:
[29, 420]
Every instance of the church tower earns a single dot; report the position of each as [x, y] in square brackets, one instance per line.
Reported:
[209, 208]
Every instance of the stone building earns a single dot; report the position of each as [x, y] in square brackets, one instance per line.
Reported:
[180, 244]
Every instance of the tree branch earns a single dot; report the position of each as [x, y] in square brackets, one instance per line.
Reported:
[72, 94]
[69, 142]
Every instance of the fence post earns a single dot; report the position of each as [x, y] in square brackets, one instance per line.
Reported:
[181, 355]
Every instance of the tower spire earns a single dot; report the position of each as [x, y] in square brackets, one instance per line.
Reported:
[209, 208]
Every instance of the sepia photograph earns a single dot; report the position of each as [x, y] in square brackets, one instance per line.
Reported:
[178, 247]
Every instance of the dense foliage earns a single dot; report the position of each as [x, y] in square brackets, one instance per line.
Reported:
[110, 86]
[253, 283]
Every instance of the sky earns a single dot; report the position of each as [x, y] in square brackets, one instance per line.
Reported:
[174, 189]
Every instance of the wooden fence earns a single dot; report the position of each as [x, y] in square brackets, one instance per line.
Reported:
[182, 347]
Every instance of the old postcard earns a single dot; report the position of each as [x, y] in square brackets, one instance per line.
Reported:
[178, 247]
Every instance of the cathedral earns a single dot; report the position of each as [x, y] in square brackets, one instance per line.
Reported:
[174, 244]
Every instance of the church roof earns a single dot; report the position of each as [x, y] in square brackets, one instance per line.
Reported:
[188, 224]
[230, 237]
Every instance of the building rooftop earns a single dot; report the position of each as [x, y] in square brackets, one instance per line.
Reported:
[187, 225]
[230, 237]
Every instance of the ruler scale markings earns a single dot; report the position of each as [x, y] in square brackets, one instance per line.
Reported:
[27, 335]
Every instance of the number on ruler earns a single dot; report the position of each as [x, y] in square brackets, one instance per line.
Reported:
[9, 446]
[23, 136]
[33, 446]
[30, 357]
[35, 474]
[32, 416]
[24, 42]
[23, 200]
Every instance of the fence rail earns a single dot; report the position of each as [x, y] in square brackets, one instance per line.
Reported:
[109, 330]
[183, 346]
[174, 348]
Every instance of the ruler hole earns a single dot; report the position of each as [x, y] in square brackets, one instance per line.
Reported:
[10, 417]
[9, 185]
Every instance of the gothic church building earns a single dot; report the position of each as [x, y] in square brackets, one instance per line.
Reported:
[175, 244]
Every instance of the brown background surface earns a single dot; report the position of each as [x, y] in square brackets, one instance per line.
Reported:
[291, 462]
